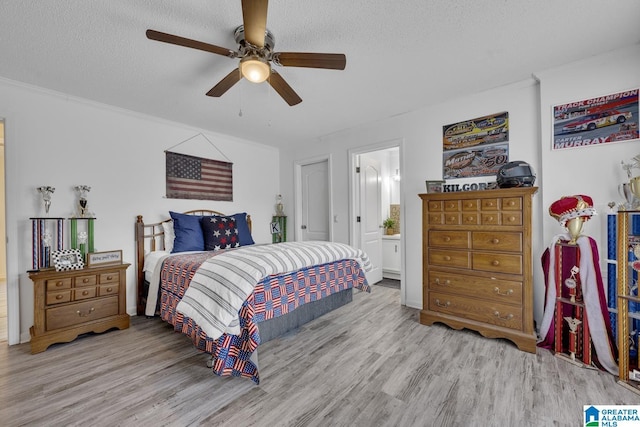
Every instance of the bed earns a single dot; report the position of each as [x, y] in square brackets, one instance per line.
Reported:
[293, 283]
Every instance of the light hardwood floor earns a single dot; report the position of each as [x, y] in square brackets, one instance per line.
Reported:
[369, 363]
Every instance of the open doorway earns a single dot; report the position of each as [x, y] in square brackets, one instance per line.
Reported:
[376, 182]
[3, 240]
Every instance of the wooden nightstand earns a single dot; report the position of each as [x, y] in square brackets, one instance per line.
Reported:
[70, 303]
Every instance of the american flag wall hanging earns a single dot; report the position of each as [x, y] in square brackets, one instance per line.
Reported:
[190, 177]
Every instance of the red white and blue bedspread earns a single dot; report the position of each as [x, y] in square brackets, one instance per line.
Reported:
[272, 297]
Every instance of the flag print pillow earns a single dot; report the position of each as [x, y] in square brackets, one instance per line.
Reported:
[220, 232]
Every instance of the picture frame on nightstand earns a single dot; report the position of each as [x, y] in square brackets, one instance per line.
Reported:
[67, 259]
[104, 258]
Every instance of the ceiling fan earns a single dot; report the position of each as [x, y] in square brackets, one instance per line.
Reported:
[255, 50]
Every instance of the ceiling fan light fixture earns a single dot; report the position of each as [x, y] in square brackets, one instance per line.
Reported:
[255, 69]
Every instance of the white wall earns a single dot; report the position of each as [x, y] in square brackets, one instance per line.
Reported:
[52, 139]
[593, 171]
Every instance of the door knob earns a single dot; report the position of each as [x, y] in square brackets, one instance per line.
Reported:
[304, 227]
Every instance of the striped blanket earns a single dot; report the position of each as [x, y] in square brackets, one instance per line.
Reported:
[222, 283]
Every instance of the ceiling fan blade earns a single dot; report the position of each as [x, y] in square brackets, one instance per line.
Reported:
[194, 44]
[254, 18]
[225, 84]
[333, 61]
[284, 90]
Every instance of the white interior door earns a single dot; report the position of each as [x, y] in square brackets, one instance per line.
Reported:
[371, 214]
[315, 201]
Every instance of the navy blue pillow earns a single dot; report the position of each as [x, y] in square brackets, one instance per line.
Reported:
[243, 229]
[188, 233]
[220, 232]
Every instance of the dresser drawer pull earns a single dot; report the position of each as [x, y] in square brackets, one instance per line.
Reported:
[59, 283]
[109, 277]
[507, 317]
[452, 218]
[490, 219]
[495, 263]
[58, 296]
[497, 291]
[495, 241]
[511, 219]
[445, 283]
[446, 238]
[109, 289]
[85, 280]
[91, 310]
[446, 258]
[446, 304]
[85, 292]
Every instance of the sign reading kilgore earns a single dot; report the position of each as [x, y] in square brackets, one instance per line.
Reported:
[100, 258]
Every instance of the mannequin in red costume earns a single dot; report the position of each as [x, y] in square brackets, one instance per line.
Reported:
[572, 212]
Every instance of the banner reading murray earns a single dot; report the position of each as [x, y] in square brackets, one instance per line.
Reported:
[596, 121]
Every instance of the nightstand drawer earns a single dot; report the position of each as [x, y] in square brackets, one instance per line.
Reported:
[111, 277]
[57, 284]
[86, 280]
[58, 297]
[108, 289]
[82, 312]
[83, 292]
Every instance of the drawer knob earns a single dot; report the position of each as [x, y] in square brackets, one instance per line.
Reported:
[447, 258]
[470, 218]
[495, 241]
[507, 317]
[109, 289]
[446, 304]
[511, 219]
[85, 280]
[85, 292]
[58, 296]
[495, 263]
[447, 239]
[59, 283]
[91, 310]
[497, 291]
[109, 277]
[490, 218]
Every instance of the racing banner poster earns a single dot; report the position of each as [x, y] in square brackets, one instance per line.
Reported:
[476, 147]
[596, 121]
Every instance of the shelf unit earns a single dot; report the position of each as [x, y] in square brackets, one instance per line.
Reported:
[628, 299]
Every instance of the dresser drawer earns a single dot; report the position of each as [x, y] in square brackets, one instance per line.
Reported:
[111, 277]
[459, 259]
[506, 291]
[84, 292]
[497, 241]
[449, 239]
[490, 312]
[497, 262]
[57, 284]
[82, 312]
[57, 297]
[511, 218]
[111, 289]
[512, 204]
[435, 218]
[89, 280]
[436, 206]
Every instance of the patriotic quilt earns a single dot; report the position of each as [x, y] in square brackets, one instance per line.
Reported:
[222, 283]
[273, 296]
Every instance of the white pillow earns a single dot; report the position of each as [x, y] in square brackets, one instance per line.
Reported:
[169, 235]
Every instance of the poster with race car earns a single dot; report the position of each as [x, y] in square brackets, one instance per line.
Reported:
[476, 147]
[596, 121]
[476, 161]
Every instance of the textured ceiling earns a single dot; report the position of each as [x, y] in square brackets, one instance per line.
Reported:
[401, 55]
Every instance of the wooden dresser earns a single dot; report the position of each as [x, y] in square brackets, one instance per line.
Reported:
[477, 263]
[70, 303]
